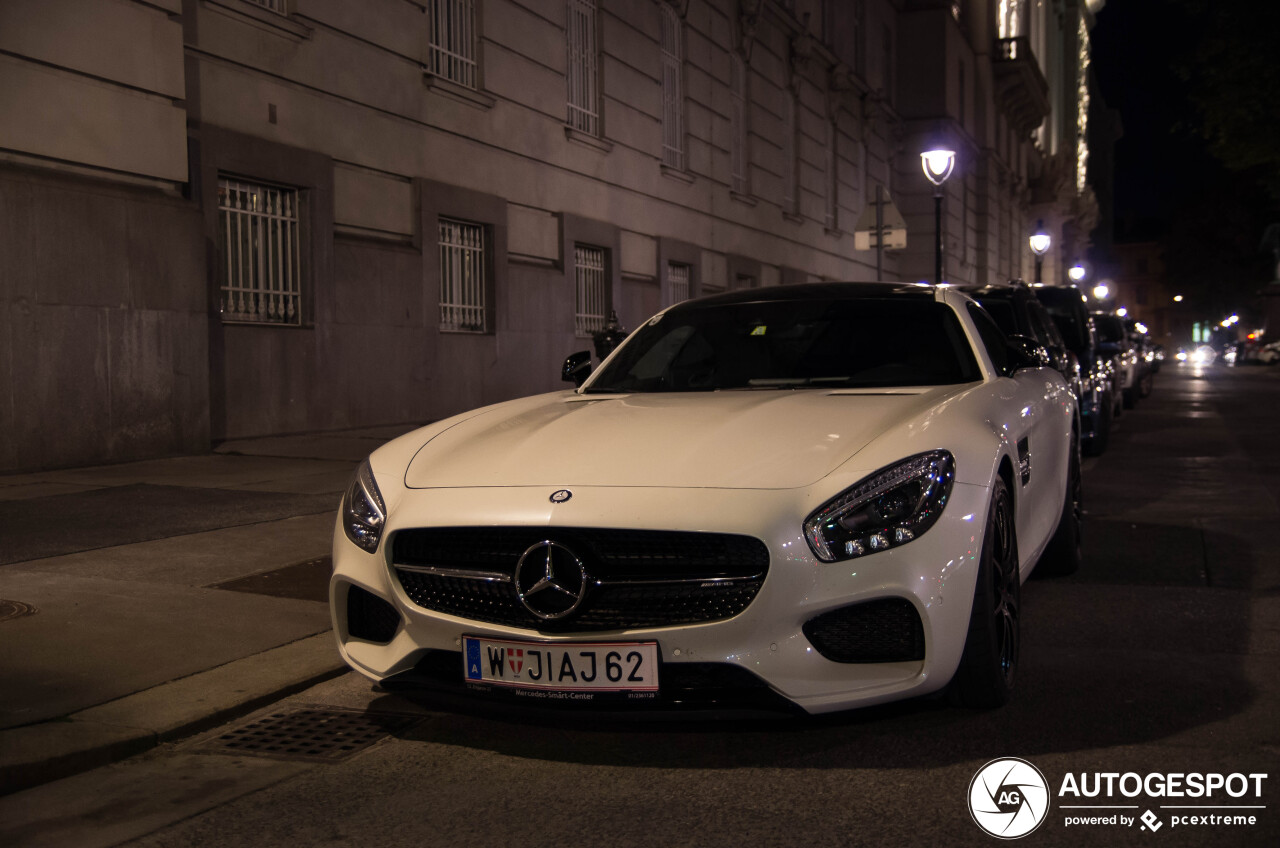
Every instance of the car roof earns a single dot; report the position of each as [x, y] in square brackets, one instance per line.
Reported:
[817, 291]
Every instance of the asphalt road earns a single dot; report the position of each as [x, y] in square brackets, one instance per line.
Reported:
[1157, 658]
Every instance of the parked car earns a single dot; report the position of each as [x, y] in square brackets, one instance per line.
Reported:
[769, 491]
[1098, 402]
[1114, 341]
[1020, 313]
[1269, 354]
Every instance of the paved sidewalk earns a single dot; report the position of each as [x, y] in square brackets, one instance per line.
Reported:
[144, 601]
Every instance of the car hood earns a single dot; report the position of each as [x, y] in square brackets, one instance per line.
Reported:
[747, 439]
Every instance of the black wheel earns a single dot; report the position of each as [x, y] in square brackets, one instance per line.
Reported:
[989, 664]
[1064, 554]
[1097, 444]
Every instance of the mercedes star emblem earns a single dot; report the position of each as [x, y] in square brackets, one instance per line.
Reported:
[550, 580]
[561, 495]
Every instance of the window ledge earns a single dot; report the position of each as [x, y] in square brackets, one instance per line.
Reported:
[793, 217]
[833, 231]
[454, 91]
[262, 18]
[579, 137]
[744, 199]
[677, 174]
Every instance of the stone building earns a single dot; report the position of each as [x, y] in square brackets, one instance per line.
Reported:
[232, 218]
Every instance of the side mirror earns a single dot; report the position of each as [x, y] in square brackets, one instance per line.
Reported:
[1026, 352]
[576, 368]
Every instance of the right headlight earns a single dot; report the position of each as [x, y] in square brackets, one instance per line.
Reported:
[363, 513]
[887, 509]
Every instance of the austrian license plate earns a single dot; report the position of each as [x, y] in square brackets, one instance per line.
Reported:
[569, 670]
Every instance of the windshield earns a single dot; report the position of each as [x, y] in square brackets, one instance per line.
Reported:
[803, 343]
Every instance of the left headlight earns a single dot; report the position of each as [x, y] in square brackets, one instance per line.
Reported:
[363, 513]
[887, 509]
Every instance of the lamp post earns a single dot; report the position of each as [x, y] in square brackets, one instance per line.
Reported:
[1039, 241]
[937, 165]
[1077, 273]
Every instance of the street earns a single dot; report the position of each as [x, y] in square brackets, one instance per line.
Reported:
[1158, 656]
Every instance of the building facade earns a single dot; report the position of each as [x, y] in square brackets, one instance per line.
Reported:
[234, 218]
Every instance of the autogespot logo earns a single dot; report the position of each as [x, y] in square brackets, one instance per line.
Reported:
[1008, 798]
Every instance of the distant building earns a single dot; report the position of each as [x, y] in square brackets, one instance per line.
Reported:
[233, 218]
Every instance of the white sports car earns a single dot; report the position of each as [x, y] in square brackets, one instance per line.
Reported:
[824, 496]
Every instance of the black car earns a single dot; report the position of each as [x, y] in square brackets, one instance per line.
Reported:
[1070, 311]
[1019, 313]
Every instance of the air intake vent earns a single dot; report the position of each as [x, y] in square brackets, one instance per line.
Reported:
[885, 630]
[370, 617]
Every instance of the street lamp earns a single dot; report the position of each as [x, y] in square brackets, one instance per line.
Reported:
[938, 165]
[1039, 241]
[1077, 273]
[1101, 292]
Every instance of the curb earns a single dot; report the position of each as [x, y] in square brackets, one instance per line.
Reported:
[40, 753]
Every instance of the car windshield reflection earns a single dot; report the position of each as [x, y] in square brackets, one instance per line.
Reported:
[806, 343]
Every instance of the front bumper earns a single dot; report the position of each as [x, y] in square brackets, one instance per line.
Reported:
[934, 573]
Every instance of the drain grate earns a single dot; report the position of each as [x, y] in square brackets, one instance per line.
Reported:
[315, 735]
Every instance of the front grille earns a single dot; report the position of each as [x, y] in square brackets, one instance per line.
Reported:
[884, 630]
[638, 578]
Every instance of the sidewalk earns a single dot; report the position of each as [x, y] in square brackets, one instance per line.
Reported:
[145, 601]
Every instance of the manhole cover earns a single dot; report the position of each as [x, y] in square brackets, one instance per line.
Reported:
[309, 734]
[14, 609]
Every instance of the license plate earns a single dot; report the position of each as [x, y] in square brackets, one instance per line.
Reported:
[568, 669]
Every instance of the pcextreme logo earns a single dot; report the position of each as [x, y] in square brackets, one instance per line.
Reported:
[1008, 798]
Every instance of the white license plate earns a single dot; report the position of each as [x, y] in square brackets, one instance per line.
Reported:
[591, 667]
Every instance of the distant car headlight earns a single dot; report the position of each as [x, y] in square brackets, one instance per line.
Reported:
[887, 509]
[363, 513]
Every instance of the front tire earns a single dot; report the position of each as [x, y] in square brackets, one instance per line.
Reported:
[989, 664]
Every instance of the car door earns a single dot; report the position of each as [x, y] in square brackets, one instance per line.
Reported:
[1035, 405]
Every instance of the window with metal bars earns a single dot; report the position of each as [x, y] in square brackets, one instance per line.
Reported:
[451, 53]
[672, 89]
[277, 6]
[582, 73]
[678, 276]
[258, 230]
[463, 279]
[738, 123]
[592, 296]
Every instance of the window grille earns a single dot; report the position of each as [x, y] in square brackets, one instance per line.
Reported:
[462, 276]
[582, 78]
[592, 295]
[277, 6]
[832, 217]
[258, 228]
[738, 123]
[452, 52]
[672, 90]
[789, 164]
[678, 281]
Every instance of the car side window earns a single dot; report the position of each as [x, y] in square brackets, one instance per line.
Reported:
[1045, 329]
[993, 339]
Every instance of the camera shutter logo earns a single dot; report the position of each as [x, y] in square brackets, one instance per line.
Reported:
[1008, 798]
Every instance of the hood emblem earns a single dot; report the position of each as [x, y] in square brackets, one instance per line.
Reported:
[550, 580]
[561, 495]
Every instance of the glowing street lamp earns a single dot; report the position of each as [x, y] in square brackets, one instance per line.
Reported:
[1077, 273]
[1039, 241]
[937, 165]
[1101, 292]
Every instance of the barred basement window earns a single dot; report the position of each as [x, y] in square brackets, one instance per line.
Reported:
[462, 277]
[678, 281]
[672, 90]
[452, 51]
[277, 6]
[592, 294]
[582, 76]
[259, 236]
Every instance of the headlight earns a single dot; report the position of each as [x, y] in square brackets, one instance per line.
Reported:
[887, 509]
[363, 513]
